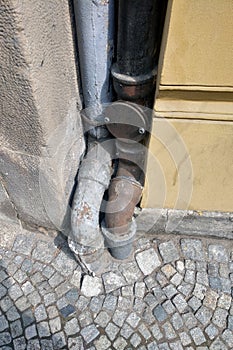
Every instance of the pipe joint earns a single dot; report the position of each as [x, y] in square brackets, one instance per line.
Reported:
[133, 88]
[127, 120]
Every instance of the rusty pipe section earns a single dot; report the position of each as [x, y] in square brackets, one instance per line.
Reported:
[95, 36]
[134, 75]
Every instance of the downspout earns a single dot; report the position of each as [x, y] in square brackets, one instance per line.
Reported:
[95, 29]
[134, 75]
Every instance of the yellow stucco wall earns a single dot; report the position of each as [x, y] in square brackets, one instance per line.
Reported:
[190, 162]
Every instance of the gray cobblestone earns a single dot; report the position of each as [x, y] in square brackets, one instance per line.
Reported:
[49, 298]
[110, 302]
[224, 301]
[75, 343]
[59, 340]
[176, 279]
[102, 319]
[227, 337]
[156, 332]
[34, 298]
[197, 335]
[43, 329]
[218, 345]
[211, 331]
[48, 271]
[112, 281]
[52, 311]
[82, 303]
[193, 249]
[33, 344]
[148, 261]
[16, 329]
[176, 346]
[55, 325]
[159, 313]
[177, 321]
[185, 338]
[144, 331]
[55, 280]
[26, 266]
[190, 276]
[180, 303]
[120, 344]
[163, 281]
[170, 291]
[22, 304]
[23, 244]
[168, 251]
[202, 278]
[133, 319]
[185, 288]
[20, 276]
[169, 331]
[46, 344]
[218, 253]
[189, 320]
[119, 317]
[12, 314]
[27, 318]
[126, 331]
[199, 291]
[3, 323]
[89, 333]
[152, 346]
[44, 252]
[5, 338]
[19, 343]
[151, 300]
[15, 292]
[64, 264]
[27, 288]
[139, 289]
[194, 303]
[220, 317]
[30, 332]
[72, 327]
[135, 340]
[102, 343]
[204, 315]
[112, 331]
[168, 307]
[127, 291]
[96, 304]
[91, 286]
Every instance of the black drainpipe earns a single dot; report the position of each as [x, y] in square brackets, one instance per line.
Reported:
[134, 78]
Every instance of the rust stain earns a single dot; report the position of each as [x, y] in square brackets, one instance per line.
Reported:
[85, 212]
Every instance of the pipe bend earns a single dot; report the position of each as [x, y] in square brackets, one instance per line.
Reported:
[93, 180]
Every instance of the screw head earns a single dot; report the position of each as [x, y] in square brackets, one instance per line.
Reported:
[107, 120]
[141, 131]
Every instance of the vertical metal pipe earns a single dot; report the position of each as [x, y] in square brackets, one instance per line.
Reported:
[134, 76]
[95, 30]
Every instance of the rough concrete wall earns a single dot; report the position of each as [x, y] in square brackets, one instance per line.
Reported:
[40, 129]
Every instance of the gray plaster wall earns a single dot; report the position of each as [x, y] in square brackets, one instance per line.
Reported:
[41, 137]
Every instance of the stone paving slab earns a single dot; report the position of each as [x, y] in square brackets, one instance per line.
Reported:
[174, 292]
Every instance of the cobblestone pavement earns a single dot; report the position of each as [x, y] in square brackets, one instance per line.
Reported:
[173, 293]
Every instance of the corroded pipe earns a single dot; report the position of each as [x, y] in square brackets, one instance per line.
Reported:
[134, 75]
[95, 34]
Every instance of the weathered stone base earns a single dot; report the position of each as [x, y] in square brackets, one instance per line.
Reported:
[186, 222]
